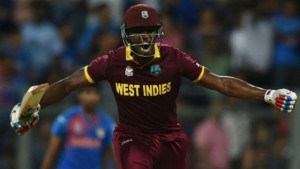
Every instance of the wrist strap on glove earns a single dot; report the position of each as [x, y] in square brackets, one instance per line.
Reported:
[269, 96]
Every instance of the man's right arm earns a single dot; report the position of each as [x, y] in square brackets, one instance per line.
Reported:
[62, 88]
[54, 93]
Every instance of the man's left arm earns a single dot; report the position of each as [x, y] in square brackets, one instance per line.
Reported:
[108, 157]
[283, 99]
[52, 152]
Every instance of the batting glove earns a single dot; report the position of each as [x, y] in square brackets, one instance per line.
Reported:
[283, 99]
[24, 123]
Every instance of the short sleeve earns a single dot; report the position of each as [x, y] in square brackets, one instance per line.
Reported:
[59, 126]
[189, 67]
[96, 70]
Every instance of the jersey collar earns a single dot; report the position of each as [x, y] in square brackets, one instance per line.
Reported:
[130, 57]
[87, 117]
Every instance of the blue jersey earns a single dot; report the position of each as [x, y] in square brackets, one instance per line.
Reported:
[84, 138]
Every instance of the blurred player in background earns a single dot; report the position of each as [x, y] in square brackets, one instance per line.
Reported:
[145, 78]
[82, 136]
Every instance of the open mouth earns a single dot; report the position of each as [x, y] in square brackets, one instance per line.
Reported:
[145, 48]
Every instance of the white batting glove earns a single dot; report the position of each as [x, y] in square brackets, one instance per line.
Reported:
[24, 123]
[283, 99]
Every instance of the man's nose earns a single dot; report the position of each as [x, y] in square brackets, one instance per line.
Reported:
[146, 37]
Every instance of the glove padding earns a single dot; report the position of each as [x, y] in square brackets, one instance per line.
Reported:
[24, 123]
[283, 99]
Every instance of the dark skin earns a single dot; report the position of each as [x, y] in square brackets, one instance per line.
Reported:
[142, 35]
[226, 85]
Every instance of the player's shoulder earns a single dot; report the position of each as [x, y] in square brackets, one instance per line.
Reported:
[117, 53]
[70, 112]
[166, 49]
[111, 55]
[64, 117]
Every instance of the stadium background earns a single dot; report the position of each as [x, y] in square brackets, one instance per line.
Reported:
[258, 41]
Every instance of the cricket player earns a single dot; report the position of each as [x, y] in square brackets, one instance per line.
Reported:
[81, 136]
[145, 78]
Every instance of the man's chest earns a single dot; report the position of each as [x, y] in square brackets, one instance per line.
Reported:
[154, 79]
[86, 128]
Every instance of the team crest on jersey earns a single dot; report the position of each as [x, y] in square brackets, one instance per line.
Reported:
[145, 14]
[129, 71]
[155, 70]
[100, 133]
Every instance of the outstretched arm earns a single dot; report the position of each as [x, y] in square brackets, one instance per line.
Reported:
[54, 93]
[283, 99]
[62, 88]
[231, 86]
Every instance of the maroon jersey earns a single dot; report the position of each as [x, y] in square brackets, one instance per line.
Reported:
[145, 94]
